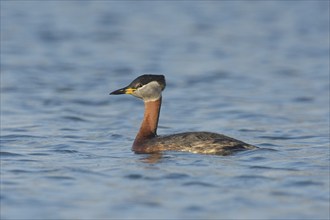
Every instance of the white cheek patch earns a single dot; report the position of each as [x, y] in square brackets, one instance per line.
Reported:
[149, 92]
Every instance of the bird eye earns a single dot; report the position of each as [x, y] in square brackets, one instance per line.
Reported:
[138, 85]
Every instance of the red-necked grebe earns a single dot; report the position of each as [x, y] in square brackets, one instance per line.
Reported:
[149, 88]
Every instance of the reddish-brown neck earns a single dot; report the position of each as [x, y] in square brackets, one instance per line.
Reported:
[149, 124]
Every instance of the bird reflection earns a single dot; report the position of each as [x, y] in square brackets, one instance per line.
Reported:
[152, 158]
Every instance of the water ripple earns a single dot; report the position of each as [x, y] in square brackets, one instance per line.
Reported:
[287, 137]
[60, 177]
[8, 154]
[19, 171]
[273, 168]
[66, 151]
[303, 183]
[74, 118]
[199, 183]
[176, 176]
[253, 177]
[134, 176]
[20, 136]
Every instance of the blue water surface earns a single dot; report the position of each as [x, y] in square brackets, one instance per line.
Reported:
[254, 70]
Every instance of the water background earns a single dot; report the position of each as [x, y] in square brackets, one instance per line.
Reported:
[256, 71]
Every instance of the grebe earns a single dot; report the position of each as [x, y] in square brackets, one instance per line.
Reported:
[149, 88]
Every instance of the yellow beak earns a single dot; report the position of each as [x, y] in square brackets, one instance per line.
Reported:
[129, 90]
[126, 90]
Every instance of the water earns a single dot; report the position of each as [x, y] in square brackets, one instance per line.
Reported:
[256, 71]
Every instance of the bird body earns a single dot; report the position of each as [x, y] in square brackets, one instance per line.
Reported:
[193, 142]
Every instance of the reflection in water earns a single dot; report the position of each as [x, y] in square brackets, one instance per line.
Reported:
[152, 158]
